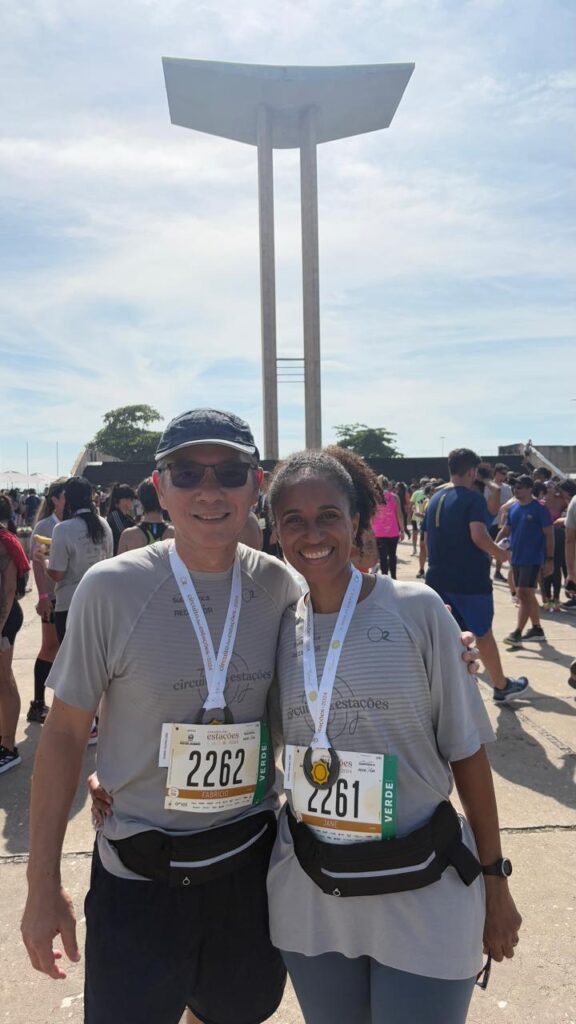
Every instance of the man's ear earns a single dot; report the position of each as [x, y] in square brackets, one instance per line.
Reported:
[157, 481]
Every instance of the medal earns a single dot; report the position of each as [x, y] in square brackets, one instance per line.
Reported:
[321, 765]
[214, 710]
[214, 716]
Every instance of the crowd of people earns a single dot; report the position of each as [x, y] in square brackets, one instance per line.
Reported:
[217, 617]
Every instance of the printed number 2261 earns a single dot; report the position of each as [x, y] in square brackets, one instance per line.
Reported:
[342, 795]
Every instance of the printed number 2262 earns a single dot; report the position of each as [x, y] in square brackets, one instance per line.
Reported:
[222, 769]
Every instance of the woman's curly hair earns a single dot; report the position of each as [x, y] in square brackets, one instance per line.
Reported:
[348, 471]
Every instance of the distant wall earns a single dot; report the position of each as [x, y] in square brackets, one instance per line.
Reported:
[132, 473]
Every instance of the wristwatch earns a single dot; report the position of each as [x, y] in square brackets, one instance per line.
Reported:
[501, 867]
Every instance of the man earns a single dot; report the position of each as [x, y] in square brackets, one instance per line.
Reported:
[417, 504]
[529, 526]
[501, 490]
[459, 553]
[176, 914]
[193, 936]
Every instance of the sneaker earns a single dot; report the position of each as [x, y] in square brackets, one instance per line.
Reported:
[572, 676]
[514, 638]
[9, 759]
[570, 603]
[420, 574]
[534, 633]
[93, 737]
[514, 688]
[546, 606]
[37, 712]
[498, 576]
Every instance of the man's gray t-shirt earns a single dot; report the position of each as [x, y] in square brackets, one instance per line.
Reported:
[401, 688]
[131, 645]
[73, 552]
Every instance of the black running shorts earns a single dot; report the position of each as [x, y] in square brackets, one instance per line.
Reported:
[526, 575]
[13, 623]
[152, 950]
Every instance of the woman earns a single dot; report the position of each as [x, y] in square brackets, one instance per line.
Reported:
[13, 570]
[388, 528]
[120, 515]
[151, 527]
[405, 722]
[50, 514]
[81, 540]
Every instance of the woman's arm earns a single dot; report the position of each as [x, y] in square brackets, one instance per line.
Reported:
[473, 778]
[8, 582]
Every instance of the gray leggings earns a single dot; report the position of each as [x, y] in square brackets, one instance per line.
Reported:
[332, 988]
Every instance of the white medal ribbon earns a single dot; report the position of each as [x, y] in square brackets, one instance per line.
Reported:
[319, 698]
[215, 668]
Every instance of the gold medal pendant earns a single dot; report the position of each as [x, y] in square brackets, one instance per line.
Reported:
[214, 716]
[321, 767]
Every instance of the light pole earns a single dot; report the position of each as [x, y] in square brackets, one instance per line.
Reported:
[284, 108]
[442, 438]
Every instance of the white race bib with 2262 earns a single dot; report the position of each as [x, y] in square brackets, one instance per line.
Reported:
[360, 806]
[213, 768]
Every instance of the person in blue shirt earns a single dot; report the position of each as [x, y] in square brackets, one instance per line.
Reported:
[530, 529]
[459, 553]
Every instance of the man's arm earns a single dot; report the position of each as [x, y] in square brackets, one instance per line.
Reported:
[483, 540]
[473, 779]
[57, 767]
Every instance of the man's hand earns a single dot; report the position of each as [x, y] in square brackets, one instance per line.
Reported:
[47, 915]
[502, 921]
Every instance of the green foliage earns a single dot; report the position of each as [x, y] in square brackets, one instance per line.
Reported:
[125, 433]
[369, 442]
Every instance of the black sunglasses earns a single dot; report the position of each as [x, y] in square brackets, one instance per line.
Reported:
[188, 475]
[483, 978]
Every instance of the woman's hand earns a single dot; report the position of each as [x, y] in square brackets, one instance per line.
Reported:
[101, 800]
[44, 608]
[470, 652]
[502, 921]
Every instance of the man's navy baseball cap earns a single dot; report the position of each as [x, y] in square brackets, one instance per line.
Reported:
[206, 426]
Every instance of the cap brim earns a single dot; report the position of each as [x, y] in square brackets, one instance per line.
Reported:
[246, 449]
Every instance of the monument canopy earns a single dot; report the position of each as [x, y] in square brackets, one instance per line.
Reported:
[223, 98]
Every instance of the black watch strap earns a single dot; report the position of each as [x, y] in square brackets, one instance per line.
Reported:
[501, 867]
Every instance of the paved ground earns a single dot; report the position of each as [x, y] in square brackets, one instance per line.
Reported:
[534, 764]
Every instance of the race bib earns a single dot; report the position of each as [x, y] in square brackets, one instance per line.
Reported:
[214, 768]
[360, 806]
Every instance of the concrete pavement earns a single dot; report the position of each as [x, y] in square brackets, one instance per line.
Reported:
[534, 764]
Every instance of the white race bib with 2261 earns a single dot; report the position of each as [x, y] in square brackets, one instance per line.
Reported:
[360, 806]
[213, 768]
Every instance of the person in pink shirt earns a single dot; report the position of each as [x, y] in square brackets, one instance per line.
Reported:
[387, 527]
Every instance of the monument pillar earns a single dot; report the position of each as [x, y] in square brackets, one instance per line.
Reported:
[267, 282]
[310, 278]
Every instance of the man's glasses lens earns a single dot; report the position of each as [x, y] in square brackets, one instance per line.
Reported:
[190, 474]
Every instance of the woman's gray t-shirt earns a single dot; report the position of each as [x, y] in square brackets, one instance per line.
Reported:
[73, 552]
[403, 689]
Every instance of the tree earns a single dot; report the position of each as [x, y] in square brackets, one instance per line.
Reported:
[125, 433]
[370, 442]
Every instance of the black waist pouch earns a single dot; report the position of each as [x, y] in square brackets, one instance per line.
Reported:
[390, 865]
[195, 859]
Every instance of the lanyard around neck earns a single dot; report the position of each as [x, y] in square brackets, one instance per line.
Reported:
[319, 697]
[215, 667]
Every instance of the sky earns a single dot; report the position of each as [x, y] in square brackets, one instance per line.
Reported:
[129, 247]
